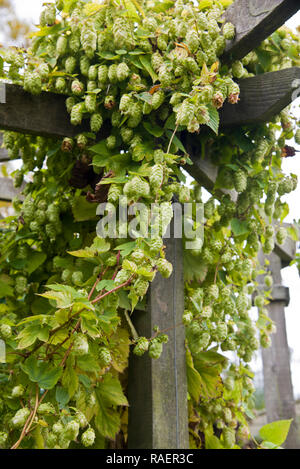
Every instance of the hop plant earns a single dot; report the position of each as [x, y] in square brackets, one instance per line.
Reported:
[164, 267]
[80, 345]
[240, 181]
[281, 235]
[141, 347]
[229, 31]
[17, 391]
[88, 437]
[19, 419]
[155, 349]
[96, 122]
[105, 356]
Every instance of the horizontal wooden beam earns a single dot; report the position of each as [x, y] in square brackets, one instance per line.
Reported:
[44, 114]
[7, 189]
[262, 97]
[255, 20]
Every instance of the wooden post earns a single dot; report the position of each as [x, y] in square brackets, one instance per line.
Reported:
[278, 388]
[158, 416]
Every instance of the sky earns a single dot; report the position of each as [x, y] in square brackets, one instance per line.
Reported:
[30, 10]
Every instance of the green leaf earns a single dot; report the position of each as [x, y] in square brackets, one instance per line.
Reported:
[31, 333]
[106, 284]
[66, 296]
[107, 421]
[153, 129]
[239, 227]
[83, 210]
[6, 283]
[212, 442]
[175, 140]
[88, 363]
[214, 119]
[126, 248]
[70, 378]
[41, 372]
[193, 379]
[146, 63]
[110, 391]
[161, 6]
[84, 253]
[276, 432]
[62, 396]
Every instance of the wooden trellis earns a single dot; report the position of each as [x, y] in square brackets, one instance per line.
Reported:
[158, 415]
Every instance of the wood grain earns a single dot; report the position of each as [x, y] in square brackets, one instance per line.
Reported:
[262, 97]
[45, 114]
[158, 417]
[7, 189]
[255, 20]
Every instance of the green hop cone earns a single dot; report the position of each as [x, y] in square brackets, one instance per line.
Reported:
[156, 177]
[61, 45]
[3, 438]
[105, 356]
[5, 331]
[51, 440]
[80, 345]
[240, 180]
[187, 317]
[19, 419]
[281, 235]
[57, 428]
[96, 122]
[141, 347]
[122, 71]
[228, 437]
[155, 349]
[268, 281]
[88, 437]
[17, 391]
[164, 267]
[259, 301]
[90, 103]
[229, 31]
[46, 408]
[140, 287]
[71, 430]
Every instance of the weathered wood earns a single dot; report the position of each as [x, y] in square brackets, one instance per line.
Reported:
[278, 387]
[262, 97]
[3, 152]
[255, 20]
[7, 189]
[45, 114]
[158, 417]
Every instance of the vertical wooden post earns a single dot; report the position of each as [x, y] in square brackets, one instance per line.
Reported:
[278, 388]
[158, 416]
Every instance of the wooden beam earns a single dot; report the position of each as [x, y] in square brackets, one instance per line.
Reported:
[44, 114]
[158, 416]
[7, 189]
[262, 97]
[255, 20]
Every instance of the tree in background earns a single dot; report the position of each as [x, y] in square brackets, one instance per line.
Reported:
[12, 27]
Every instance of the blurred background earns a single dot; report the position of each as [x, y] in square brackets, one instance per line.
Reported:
[17, 18]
